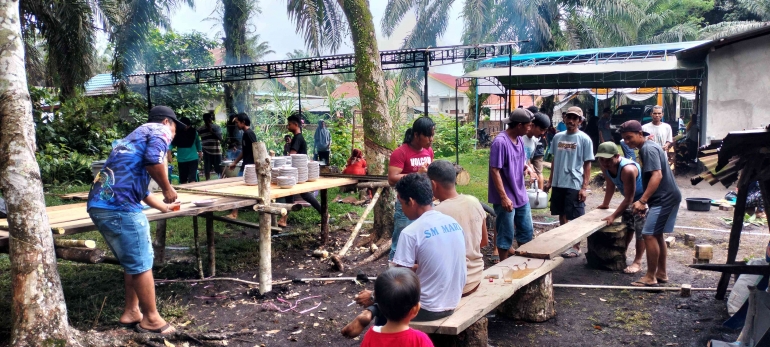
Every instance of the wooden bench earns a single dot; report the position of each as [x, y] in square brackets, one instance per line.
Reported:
[528, 298]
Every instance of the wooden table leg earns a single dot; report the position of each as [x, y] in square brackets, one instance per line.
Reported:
[735, 239]
[198, 259]
[324, 216]
[211, 250]
[159, 245]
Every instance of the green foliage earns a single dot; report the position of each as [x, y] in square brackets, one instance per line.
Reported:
[444, 141]
[341, 128]
[61, 165]
[169, 51]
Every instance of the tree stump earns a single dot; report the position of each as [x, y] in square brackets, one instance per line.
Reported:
[607, 248]
[475, 335]
[531, 303]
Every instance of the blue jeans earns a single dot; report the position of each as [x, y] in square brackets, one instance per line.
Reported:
[627, 151]
[128, 235]
[399, 223]
[518, 223]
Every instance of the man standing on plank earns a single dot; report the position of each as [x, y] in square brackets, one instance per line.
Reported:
[661, 194]
[467, 211]
[571, 172]
[507, 193]
[626, 175]
[115, 207]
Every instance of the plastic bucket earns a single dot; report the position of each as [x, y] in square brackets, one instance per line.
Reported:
[698, 204]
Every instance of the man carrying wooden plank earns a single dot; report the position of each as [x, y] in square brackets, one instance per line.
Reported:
[507, 193]
[114, 205]
[571, 172]
[467, 211]
[626, 175]
[661, 194]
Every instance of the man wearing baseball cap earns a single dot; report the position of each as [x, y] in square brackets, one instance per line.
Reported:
[571, 171]
[115, 207]
[661, 195]
[534, 146]
[506, 190]
[626, 175]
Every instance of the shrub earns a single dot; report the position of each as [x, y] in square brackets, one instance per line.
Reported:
[444, 140]
[61, 165]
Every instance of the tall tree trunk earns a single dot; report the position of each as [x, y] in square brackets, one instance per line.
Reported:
[38, 312]
[236, 14]
[378, 138]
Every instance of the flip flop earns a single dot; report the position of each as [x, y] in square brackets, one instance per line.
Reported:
[660, 280]
[643, 284]
[495, 258]
[159, 331]
[571, 253]
[631, 272]
[131, 325]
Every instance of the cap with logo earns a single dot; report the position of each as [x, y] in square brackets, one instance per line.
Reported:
[519, 115]
[160, 112]
[607, 150]
[632, 126]
[575, 110]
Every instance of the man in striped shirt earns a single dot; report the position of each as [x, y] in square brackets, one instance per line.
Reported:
[211, 137]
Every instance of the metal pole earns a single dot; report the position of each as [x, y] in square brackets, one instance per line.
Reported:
[299, 92]
[477, 113]
[510, 66]
[425, 92]
[149, 98]
[457, 129]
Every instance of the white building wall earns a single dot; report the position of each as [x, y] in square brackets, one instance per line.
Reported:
[738, 89]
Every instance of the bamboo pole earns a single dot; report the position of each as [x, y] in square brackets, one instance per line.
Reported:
[262, 165]
[360, 223]
[74, 243]
[372, 185]
[270, 210]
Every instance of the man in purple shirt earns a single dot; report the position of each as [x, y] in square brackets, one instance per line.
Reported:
[507, 194]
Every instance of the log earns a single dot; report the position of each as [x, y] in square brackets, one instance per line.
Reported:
[475, 335]
[360, 223]
[196, 242]
[81, 255]
[686, 290]
[689, 240]
[703, 252]
[373, 185]
[384, 249]
[262, 164]
[324, 216]
[210, 246]
[270, 210]
[533, 302]
[74, 243]
[288, 207]
[607, 250]
[670, 241]
[159, 245]
[463, 178]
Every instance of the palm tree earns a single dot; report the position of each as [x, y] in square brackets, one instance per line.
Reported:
[258, 49]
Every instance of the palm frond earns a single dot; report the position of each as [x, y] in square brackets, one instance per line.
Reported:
[394, 13]
[320, 22]
[759, 8]
[677, 33]
[725, 29]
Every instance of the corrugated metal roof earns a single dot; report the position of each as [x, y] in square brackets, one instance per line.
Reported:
[101, 84]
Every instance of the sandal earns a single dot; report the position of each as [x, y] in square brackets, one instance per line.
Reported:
[571, 253]
[495, 258]
[161, 331]
[643, 284]
[131, 325]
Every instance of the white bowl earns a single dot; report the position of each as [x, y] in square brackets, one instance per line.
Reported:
[204, 203]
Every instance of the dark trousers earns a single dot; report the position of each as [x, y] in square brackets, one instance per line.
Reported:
[212, 162]
[188, 172]
[307, 197]
[323, 156]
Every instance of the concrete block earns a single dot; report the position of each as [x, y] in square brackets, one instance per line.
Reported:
[703, 252]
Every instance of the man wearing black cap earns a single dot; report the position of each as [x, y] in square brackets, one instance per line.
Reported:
[660, 193]
[534, 145]
[115, 206]
[571, 171]
[507, 194]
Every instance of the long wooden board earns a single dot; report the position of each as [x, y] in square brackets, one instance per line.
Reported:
[486, 298]
[240, 189]
[551, 244]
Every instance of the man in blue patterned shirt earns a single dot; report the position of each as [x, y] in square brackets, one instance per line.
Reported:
[115, 206]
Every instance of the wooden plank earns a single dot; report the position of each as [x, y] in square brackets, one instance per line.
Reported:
[486, 298]
[242, 190]
[209, 182]
[551, 244]
[73, 196]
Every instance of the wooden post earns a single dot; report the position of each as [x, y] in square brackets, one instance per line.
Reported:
[196, 242]
[607, 248]
[81, 255]
[159, 245]
[210, 245]
[262, 165]
[532, 303]
[475, 335]
[360, 223]
[324, 217]
[735, 236]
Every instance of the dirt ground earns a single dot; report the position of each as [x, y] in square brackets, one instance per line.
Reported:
[585, 317]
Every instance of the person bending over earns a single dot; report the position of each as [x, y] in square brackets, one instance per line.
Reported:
[626, 175]
[397, 293]
[467, 211]
[437, 241]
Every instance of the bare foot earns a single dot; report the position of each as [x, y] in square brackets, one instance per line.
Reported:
[633, 268]
[233, 215]
[282, 222]
[661, 277]
[354, 328]
[131, 316]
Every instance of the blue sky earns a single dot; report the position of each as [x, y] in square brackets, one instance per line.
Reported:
[275, 27]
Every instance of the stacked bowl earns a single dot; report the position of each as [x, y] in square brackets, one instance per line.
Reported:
[289, 171]
[274, 173]
[286, 181]
[300, 161]
[277, 162]
[250, 175]
[313, 170]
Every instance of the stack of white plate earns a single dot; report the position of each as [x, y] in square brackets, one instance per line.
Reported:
[302, 174]
[274, 173]
[313, 170]
[289, 172]
[277, 162]
[286, 181]
[299, 160]
[250, 175]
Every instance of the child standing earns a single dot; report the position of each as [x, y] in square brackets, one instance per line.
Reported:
[397, 293]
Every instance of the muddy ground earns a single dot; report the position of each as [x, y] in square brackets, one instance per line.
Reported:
[585, 317]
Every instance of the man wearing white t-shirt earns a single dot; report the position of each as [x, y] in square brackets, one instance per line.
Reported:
[660, 132]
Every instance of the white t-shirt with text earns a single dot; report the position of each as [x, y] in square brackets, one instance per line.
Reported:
[436, 243]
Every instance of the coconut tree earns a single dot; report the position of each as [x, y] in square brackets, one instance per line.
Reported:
[324, 24]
